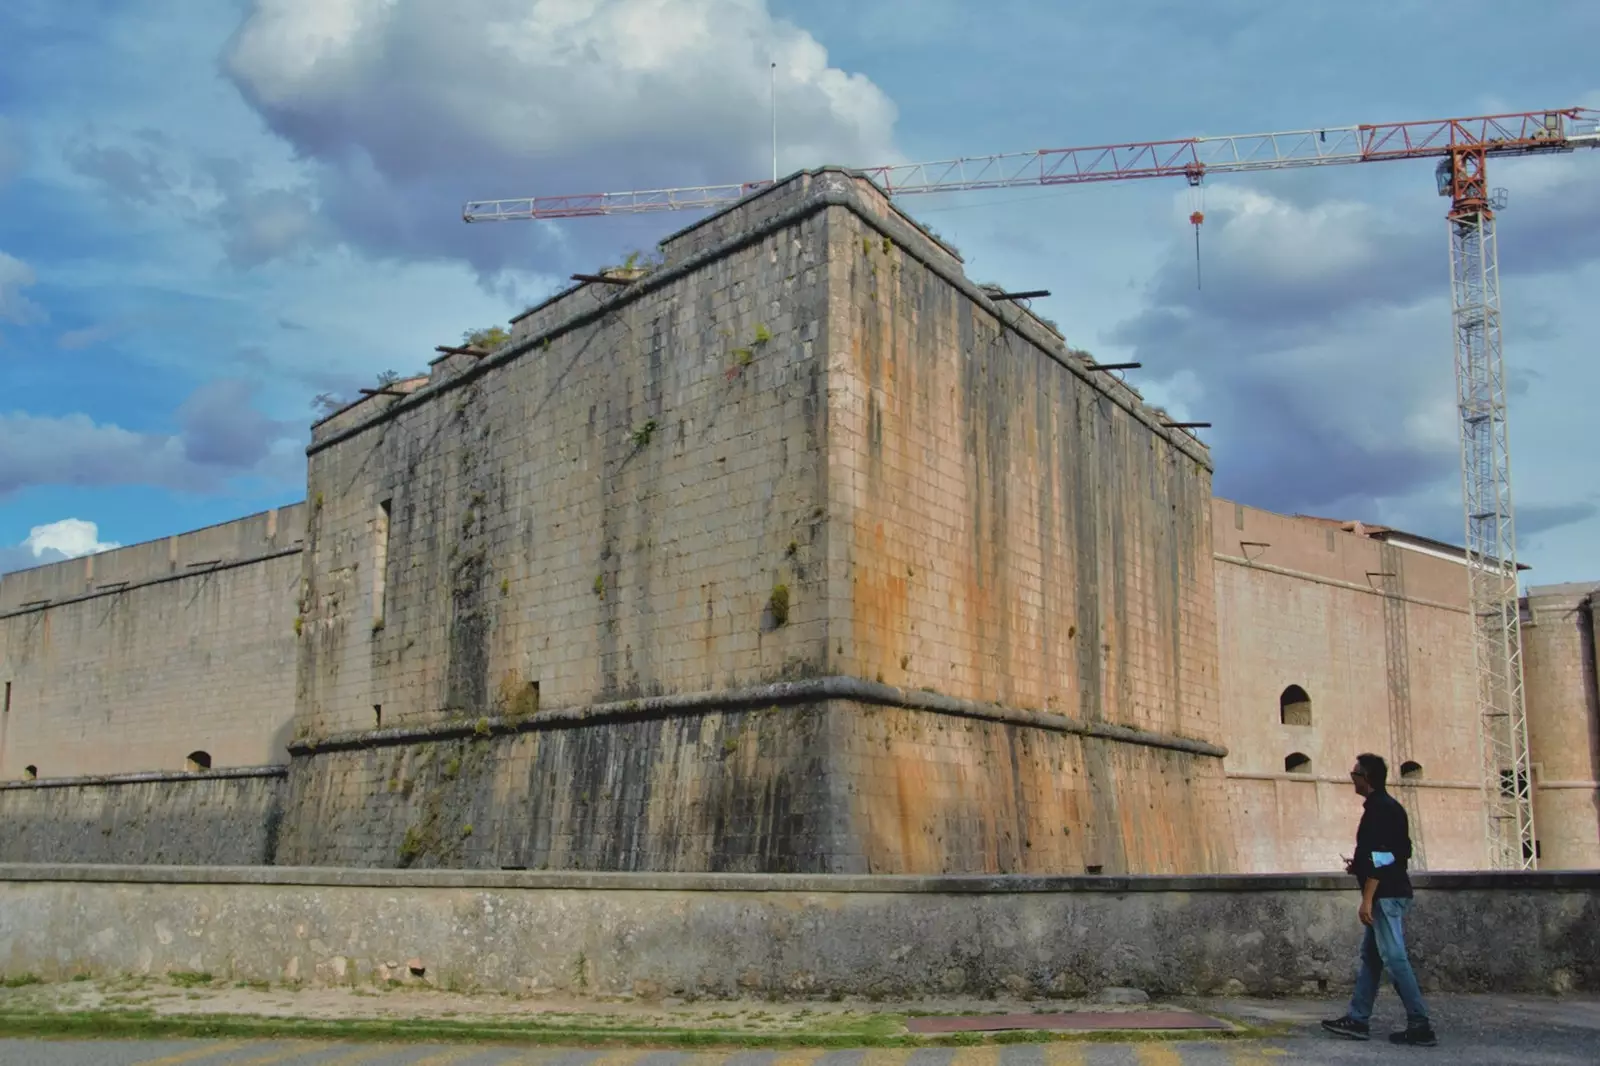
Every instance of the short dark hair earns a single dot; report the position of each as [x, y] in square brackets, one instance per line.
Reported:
[1373, 768]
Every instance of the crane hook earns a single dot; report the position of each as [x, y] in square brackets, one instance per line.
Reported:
[1195, 219]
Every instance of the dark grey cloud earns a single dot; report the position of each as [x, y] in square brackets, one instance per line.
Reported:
[411, 108]
[1319, 345]
[221, 435]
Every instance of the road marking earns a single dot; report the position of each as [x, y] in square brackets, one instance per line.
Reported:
[445, 1057]
[1157, 1055]
[976, 1056]
[1063, 1055]
[885, 1057]
[1249, 1056]
[295, 1050]
[194, 1053]
[360, 1053]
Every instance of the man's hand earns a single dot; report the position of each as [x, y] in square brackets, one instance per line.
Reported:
[1349, 865]
[1365, 913]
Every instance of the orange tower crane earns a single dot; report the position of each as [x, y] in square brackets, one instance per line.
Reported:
[1462, 147]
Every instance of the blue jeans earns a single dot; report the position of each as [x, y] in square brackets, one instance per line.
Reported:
[1384, 947]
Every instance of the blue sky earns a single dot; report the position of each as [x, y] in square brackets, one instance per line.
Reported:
[212, 212]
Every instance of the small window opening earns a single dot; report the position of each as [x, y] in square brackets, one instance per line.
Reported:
[199, 760]
[1513, 784]
[30, 772]
[380, 565]
[1294, 706]
[1410, 770]
[1297, 762]
[8, 698]
[377, 716]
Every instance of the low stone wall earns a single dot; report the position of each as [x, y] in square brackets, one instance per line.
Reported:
[215, 817]
[789, 936]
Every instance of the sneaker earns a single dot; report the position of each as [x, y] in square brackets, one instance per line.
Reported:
[1415, 1035]
[1348, 1027]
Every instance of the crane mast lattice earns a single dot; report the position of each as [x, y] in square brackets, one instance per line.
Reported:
[1463, 147]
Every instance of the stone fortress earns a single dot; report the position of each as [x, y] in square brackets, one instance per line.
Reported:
[799, 552]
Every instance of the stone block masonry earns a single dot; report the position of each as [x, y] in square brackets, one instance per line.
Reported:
[209, 818]
[805, 449]
[138, 658]
[785, 936]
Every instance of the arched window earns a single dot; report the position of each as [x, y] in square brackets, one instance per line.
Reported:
[1410, 770]
[31, 772]
[1297, 762]
[1294, 706]
[199, 760]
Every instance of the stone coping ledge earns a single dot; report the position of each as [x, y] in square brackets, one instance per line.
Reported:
[146, 776]
[770, 695]
[117, 588]
[859, 884]
[905, 235]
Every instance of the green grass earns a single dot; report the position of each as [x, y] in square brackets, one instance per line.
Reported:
[881, 1030]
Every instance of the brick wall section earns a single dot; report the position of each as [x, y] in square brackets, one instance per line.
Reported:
[536, 534]
[1563, 723]
[1378, 637]
[136, 677]
[215, 819]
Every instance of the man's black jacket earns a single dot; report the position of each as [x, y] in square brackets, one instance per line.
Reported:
[1384, 828]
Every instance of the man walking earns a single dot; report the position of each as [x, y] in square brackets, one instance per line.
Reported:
[1383, 851]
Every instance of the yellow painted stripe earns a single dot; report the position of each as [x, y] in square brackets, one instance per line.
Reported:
[976, 1056]
[194, 1054]
[360, 1053]
[1063, 1055]
[443, 1058]
[293, 1051]
[803, 1057]
[1255, 1056]
[1157, 1055]
[885, 1056]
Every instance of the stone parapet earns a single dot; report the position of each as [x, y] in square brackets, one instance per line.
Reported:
[791, 937]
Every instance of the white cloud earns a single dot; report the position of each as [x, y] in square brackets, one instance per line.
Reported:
[70, 537]
[414, 106]
[221, 435]
[15, 275]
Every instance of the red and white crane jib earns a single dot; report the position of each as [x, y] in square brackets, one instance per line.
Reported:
[1192, 158]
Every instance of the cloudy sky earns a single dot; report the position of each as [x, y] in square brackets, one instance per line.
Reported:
[211, 212]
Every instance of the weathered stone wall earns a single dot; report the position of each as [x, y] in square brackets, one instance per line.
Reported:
[777, 779]
[604, 513]
[790, 937]
[221, 817]
[1563, 706]
[689, 486]
[1377, 636]
[142, 655]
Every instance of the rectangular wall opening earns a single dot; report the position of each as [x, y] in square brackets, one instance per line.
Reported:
[380, 565]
